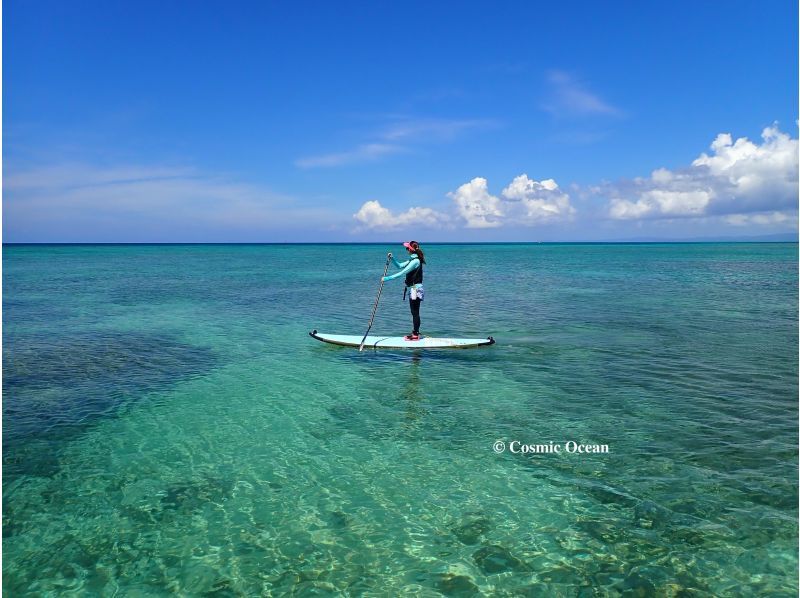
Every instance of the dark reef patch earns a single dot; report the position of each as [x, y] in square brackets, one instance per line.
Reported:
[471, 528]
[497, 559]
[55, 387]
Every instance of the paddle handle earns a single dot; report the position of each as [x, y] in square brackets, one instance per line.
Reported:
[375, 307]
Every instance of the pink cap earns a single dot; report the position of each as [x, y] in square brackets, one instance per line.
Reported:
[407, 244]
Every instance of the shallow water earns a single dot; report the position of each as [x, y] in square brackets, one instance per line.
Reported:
[169, 427]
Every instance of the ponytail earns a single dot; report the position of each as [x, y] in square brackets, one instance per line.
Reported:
[418, 250]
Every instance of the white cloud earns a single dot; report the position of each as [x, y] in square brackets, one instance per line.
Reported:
[738, 183]
[754, 173]
[72, 199]
[364, 153]
[541, 201]
[476, 205]
[373, 215]
[741, 181]
[432, 129]
[524, 202]
[761, 218]
[385, 139]
[569, 97]
[622, 209]
[665, 203]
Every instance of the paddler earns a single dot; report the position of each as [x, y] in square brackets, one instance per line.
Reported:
[412, 268]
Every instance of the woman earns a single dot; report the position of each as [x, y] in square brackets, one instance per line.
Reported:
[412, 268]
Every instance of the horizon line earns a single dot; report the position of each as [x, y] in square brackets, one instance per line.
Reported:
[603, 242]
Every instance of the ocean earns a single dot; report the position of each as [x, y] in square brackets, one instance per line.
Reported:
[169, 427]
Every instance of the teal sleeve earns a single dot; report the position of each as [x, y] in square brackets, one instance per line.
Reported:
[400, 264]
[410, 265]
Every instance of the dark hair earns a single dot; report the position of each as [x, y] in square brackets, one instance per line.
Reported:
[418, 250]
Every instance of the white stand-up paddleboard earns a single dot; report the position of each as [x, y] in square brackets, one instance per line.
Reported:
[398, 342]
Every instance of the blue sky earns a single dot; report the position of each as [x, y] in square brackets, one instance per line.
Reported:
[311, 121]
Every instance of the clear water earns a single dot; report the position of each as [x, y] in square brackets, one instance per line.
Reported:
[170, 428]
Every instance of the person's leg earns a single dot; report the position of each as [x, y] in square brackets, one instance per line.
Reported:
[415, 303]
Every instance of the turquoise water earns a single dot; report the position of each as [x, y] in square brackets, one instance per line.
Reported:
[170, 428]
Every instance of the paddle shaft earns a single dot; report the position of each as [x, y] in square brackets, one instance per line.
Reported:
[375, 307]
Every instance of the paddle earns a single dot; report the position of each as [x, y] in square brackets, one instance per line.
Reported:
[375, 307]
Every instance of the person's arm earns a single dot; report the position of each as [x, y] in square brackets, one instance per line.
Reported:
[411, 264]
[400, 264]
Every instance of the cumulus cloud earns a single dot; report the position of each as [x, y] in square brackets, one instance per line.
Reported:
[756, 175]
[741, 181]
[373, 215]
[478, 207]
[663, 202]
[737, 183]
[523, 202]
[540, 201]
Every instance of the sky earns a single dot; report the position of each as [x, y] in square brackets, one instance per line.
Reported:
[374, 121]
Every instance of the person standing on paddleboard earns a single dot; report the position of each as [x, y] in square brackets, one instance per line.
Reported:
[412, 268]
